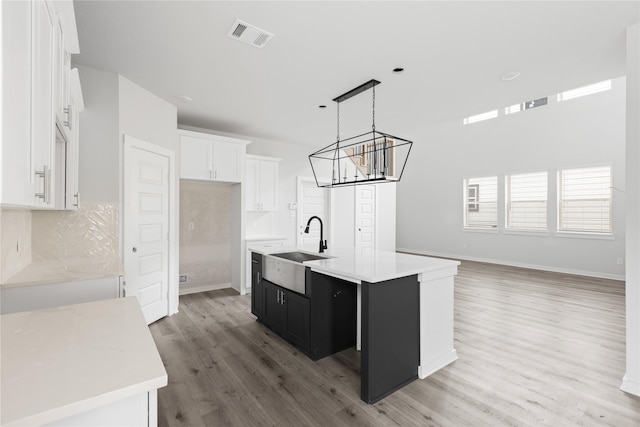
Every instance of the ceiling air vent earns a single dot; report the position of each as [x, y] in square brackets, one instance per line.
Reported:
[249, 34]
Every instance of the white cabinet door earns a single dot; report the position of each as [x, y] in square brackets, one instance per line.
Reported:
[226, 161]
[261, 183]
[268, 179]
[16, 173]
[251, 184]
[76, 106]
[195, 158]
[42, 102]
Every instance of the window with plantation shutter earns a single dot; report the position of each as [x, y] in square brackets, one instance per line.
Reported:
[481, 202]
[526, 199]
[584, 200]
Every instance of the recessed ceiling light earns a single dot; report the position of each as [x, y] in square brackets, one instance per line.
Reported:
[184, 98]
[511, 75]
[398, 70]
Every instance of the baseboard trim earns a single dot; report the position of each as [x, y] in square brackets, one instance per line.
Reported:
[630, 386]
[436, 364]
[514, 264]
[205, 288]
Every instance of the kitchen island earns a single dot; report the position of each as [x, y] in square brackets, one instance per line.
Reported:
[80, 365]
[404, 313]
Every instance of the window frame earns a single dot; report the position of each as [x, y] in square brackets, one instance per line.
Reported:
[476, 203]
[564, 232]
[508, 227]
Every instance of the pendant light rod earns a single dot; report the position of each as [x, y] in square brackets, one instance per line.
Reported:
[355, 91]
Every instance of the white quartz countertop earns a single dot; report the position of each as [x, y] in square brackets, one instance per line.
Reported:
[67, 270]
[61, 361]
[376, 267]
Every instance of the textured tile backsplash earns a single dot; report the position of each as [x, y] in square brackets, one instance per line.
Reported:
[89, 232]
[205, 234]
[15, 241]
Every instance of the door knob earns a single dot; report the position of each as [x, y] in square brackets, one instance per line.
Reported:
[134, 249]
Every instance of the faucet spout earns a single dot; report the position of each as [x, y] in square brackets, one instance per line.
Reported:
[323, 243]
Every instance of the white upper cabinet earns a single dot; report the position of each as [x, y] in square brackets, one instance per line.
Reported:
[211, 157]
[43, 131]
[16, 170]
[38, 39]
[227, 158]
[261, 183]
[195, 158]
[76, 105]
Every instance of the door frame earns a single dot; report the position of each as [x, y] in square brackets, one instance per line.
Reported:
[130, 142]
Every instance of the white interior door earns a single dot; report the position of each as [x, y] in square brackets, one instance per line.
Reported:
[365, 217]
[146, 225]
[312, 200]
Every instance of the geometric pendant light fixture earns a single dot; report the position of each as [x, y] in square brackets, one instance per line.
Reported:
[370, 158]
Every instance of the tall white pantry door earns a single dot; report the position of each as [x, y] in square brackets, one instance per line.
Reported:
[146, 225]
[365, 219]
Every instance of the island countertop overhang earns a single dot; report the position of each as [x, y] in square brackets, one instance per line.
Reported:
[379, 266]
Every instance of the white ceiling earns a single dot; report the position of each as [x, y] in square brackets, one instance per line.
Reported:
[454, 55]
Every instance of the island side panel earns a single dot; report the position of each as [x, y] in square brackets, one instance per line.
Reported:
[390, 336]
[436, 320]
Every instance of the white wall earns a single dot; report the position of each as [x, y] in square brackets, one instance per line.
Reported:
[631, 381]
[147, 116]
[99, 179]
[580, 132]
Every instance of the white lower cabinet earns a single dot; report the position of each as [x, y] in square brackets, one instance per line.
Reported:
[27, 298]
[137, 411]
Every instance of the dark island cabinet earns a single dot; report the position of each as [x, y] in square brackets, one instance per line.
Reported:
[333, 314]
[287, 313]
[320, 322]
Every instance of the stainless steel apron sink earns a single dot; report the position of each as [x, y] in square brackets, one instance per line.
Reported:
[286, 269]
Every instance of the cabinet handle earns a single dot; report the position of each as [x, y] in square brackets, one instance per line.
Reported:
[282, 299]
[278, 296]
[210, 174]
[77, 197]
[45, 174]
[258, 277]
[68, 112]
[215, 174]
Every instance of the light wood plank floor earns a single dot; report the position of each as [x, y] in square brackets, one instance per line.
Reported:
[534, 349]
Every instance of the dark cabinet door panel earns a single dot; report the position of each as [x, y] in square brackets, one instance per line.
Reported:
[297, 324]
[274, 314]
